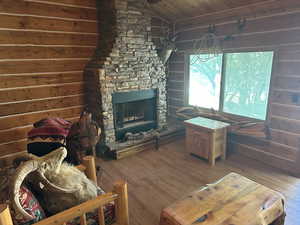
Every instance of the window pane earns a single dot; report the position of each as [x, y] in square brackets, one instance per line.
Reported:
[247, 82]
[205, 81]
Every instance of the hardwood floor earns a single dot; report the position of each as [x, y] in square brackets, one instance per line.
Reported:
[158, 178]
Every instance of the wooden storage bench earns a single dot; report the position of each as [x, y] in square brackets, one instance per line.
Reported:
[233, 200]
[206, 138]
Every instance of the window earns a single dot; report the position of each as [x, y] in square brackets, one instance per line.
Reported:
[236, 83]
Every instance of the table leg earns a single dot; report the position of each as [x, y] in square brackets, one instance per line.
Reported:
[212, 150]
[224, 144]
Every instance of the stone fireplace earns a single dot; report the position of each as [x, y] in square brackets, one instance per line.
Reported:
[134, 111]
[126, 82]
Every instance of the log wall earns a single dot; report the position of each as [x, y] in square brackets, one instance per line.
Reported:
[278, 31]
[44, 47]
[160, 28]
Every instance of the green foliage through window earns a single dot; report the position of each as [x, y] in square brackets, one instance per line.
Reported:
[245, 78]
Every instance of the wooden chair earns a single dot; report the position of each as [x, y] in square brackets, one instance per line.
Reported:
[118, 195]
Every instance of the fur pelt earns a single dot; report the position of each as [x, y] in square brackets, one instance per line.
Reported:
[68, 177]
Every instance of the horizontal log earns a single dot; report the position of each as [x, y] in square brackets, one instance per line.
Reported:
[15, 37]
[177, 57]
[172, 111]
[15, 121]
[13, 147]
[286, 138]
[264, 24]
[40, 92]
[155, 21]
[45, 52]
[257, 40]
[288, 48]
[264, 157]
[267, 146]
[175, 105]
[40, 105]
[23, 80]
[286, 97]
[158, 32]
[47, 24]
[285, 82]
[177, 67]
[288, 68]
[289, 125]
[286, 111]
[264, 8]
[16, 134]
[176, 94]
[7, 160]
[63, 65]
[175, 102]
[19, 133]
[175, 85]
[19, 145]
[78, 3]
[173, 76]
[47, 10]
[287, 54]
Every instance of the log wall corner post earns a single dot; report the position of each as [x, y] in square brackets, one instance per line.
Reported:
[5, 217]
[122, 215]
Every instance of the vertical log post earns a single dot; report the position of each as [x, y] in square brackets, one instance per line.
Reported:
[122, 216]
[90, 171]
[5, 217]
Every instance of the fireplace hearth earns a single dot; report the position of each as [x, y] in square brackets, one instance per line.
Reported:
[134, 112]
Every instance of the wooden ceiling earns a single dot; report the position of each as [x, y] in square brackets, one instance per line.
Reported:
[177, 10]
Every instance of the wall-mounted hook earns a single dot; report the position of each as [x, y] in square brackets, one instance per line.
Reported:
[212, 28]
[241, 23]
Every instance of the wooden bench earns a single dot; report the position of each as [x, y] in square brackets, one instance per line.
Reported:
[233, 200]
[206, 138]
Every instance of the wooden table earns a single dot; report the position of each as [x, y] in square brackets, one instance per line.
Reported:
[206, 138]
[233, 200]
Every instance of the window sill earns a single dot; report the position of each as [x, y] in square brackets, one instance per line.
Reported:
[242, 126]
[229, 116]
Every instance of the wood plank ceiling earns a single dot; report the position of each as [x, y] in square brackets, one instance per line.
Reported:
[177, 10]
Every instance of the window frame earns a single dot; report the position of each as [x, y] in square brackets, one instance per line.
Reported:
[223, 76]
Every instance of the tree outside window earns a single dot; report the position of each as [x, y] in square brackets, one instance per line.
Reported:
[246, 81]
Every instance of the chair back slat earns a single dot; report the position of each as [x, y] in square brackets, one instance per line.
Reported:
[5, 217]
[101, 219]
[83, 219]
[121, 204]
[90, 165]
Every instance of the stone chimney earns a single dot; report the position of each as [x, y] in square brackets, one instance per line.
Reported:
[126, 61]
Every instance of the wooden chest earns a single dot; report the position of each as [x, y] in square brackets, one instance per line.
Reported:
[233, 200]
[206, 138]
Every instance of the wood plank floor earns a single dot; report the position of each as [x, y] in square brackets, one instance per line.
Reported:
[158, 178]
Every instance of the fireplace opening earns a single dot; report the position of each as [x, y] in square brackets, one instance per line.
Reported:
[134, 112]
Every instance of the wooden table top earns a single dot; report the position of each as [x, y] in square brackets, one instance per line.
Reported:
[232, 200]
[206, 123]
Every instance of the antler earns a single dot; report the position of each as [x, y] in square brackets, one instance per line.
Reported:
[49, 163]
